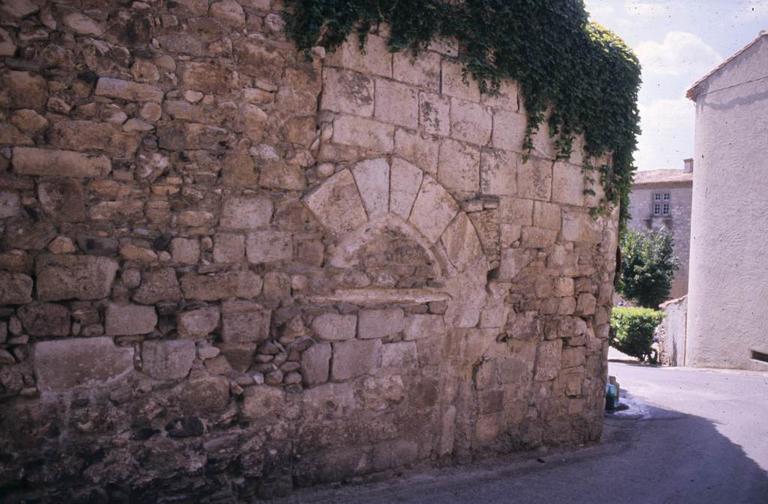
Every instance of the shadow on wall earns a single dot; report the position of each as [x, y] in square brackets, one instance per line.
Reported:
[666, 456]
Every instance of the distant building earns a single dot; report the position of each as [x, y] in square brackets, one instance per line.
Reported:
[662, 198]
[728, 288]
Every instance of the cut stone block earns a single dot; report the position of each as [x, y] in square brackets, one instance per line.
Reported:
[435, 114]
[433, 210]
[419, 326]
[244, 322]
[355, 358]
[380, 323]
[45, 319]
[17, 288]
[347, 92]
[197, 324]
[461, 242]
[337, 203]
[455, 84]
[400, 354]
[334, 327]
[232, 284]
[316, 364]
[366, 133]
[64, 364]
[269, 246]
[372, 178]
[59, 163]
[375, 60]
[534, 179]
[459, 167]
[167, 360]
[397, 103]
[127, 90]
[422, 70]
[405, 182]
[61, 277]
[509, 130]
[498, 172]
[421, 150]
[470, 122]
[246, 212]
[129, 319]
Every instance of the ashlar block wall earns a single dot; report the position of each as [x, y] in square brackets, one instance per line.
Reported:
[228, 268]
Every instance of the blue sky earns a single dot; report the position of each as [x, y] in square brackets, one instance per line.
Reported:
[677, 41]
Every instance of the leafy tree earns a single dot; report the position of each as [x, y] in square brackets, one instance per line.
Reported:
[648, 264]
[633, 331]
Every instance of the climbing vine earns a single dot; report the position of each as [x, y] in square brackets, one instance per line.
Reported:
[584, 74]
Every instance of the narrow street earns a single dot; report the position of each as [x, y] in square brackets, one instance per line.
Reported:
[689, 436]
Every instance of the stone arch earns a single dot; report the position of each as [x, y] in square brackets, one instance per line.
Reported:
[375, 196]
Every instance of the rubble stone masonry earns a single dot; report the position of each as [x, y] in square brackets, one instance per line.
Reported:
[228, 268]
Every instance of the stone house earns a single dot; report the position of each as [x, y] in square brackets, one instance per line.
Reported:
[227, 268]
[728, 287]
[662, 199]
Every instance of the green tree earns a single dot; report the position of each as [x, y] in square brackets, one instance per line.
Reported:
[648, 264]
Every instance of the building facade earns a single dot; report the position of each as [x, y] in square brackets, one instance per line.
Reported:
[228, 268]
[728, 289]
[662, 199]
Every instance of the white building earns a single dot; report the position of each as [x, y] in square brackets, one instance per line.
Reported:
[728, 289]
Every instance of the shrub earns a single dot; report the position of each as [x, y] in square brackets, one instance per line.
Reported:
[633, 331]
[648, 265]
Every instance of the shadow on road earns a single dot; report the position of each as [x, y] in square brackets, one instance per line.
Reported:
[663, 456]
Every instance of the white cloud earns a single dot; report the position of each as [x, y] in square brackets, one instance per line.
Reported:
[667, 136]
[601, 11]
[680, 54]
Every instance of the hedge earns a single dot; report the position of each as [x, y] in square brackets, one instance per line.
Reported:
[633, 331]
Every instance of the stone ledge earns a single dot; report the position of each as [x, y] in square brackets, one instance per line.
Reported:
[381, 296]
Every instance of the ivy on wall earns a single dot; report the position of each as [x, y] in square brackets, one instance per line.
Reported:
[585, 75]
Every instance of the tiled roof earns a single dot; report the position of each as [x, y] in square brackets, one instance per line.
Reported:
[657, 177]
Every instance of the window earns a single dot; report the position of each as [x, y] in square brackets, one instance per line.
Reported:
[661, 204]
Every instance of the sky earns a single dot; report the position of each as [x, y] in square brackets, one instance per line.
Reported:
[677, 42]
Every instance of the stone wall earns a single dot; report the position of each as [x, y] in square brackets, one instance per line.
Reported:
[229, 268]
[671, 333]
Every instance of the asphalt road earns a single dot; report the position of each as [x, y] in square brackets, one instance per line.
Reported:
[690, 436]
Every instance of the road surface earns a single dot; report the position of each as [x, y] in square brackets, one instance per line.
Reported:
[690, 436]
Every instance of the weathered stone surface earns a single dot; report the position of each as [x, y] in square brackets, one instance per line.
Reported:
[269, 246]
[459, 167]
[228, 248]
[423, 326]
[263, 404]
[17, 288]
[29, 235]
[548, 359]
[82, 24]
[337, 203]
[355, 358]
[422, 70]
[197, 324]
[282, 176]
[421, 150]
[470, 122]
[433, 210]
[372, 179]
[158, 285]
[61, 365]
[435, 114]
[185, 250]
[10, 204]
[397, 103]
[74, 277]
[380, 323]
[399, 355]
[246, 213]
[45, 319]
[7, 47]
[129, 319]
[498, 172]
[59, 163]
[167, 360]
[316, 363]
[365, 133]
[375, 60]
[567, 184]
[509, 130]
[25, 89]
[347, 92]
[244, 322]
[454, 84]
[92, 135]
[461, 242]
[62, 199]
[534, 179]
[405, 183]
[334, 327]
[127, 90]
[203, 396]
[242, 284]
